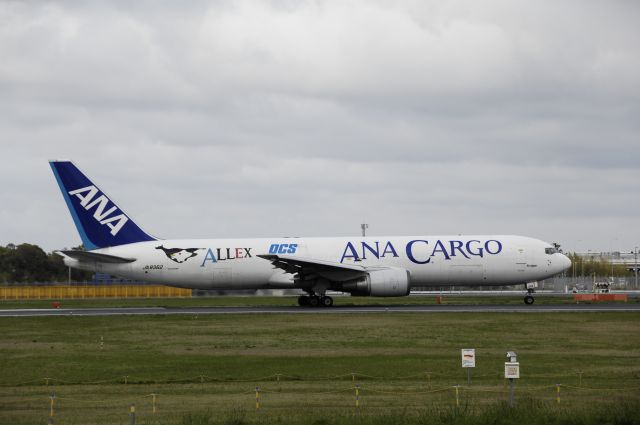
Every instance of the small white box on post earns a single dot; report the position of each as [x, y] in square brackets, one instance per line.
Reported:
[511, 372]
[468, 361]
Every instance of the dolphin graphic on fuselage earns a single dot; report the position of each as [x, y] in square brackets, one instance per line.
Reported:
[179, 255]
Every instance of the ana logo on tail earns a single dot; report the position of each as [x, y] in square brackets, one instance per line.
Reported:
[179, 255]
[86, 196]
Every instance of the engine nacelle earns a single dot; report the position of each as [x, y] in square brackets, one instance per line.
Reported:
[381, 283]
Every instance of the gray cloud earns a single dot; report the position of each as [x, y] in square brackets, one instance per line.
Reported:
[303, 118]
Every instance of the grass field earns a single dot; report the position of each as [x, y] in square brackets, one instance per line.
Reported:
[204, 369]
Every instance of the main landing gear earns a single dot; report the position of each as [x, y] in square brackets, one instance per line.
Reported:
[528, 299]
[315, 301]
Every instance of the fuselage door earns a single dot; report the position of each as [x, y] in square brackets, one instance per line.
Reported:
[521, 260]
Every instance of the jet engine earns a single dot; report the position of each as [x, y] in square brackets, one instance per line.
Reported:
[390, 282]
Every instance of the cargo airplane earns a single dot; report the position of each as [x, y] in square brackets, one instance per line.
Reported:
[363, 266]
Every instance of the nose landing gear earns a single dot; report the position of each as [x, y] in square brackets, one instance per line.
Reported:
[528, 299]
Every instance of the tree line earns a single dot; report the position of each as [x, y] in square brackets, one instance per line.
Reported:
[28, 263]
[581, 266]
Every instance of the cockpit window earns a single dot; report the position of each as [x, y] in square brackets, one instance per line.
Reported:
[550, 251]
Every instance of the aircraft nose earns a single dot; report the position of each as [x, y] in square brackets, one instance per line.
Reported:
[565, 262]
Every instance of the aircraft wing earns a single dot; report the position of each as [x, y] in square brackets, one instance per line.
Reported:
[309, 267]
[87, 256]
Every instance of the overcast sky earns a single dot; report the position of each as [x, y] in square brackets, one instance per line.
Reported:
[304, 118]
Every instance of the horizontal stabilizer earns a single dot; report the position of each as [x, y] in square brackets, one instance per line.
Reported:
[94, 257]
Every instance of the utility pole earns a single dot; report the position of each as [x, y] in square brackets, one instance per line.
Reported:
[635, 266]
[364, 227]
[611, 261]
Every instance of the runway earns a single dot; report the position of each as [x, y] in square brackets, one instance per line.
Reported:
[425, 309]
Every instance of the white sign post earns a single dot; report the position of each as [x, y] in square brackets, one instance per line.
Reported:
[468, 361]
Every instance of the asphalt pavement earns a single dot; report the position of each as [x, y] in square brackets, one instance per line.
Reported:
[426, 309]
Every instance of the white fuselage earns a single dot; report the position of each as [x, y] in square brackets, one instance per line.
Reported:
[430, 260]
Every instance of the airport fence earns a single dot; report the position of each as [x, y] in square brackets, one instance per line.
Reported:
[350, 392]
[577, 378]
[90, 291]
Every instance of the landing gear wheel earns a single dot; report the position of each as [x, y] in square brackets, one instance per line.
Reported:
[326, 301]
[303, 300]
[314, 301]
[528, 299]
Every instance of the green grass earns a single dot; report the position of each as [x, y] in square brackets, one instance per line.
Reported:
[526, 412]
[205, 368]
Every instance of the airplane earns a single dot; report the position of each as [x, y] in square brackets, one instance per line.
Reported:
[361, 266]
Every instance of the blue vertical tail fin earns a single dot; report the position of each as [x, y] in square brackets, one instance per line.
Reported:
[100, 222]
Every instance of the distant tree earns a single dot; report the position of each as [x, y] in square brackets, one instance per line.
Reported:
[581, 266]
[28, 263]
[4, 276]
